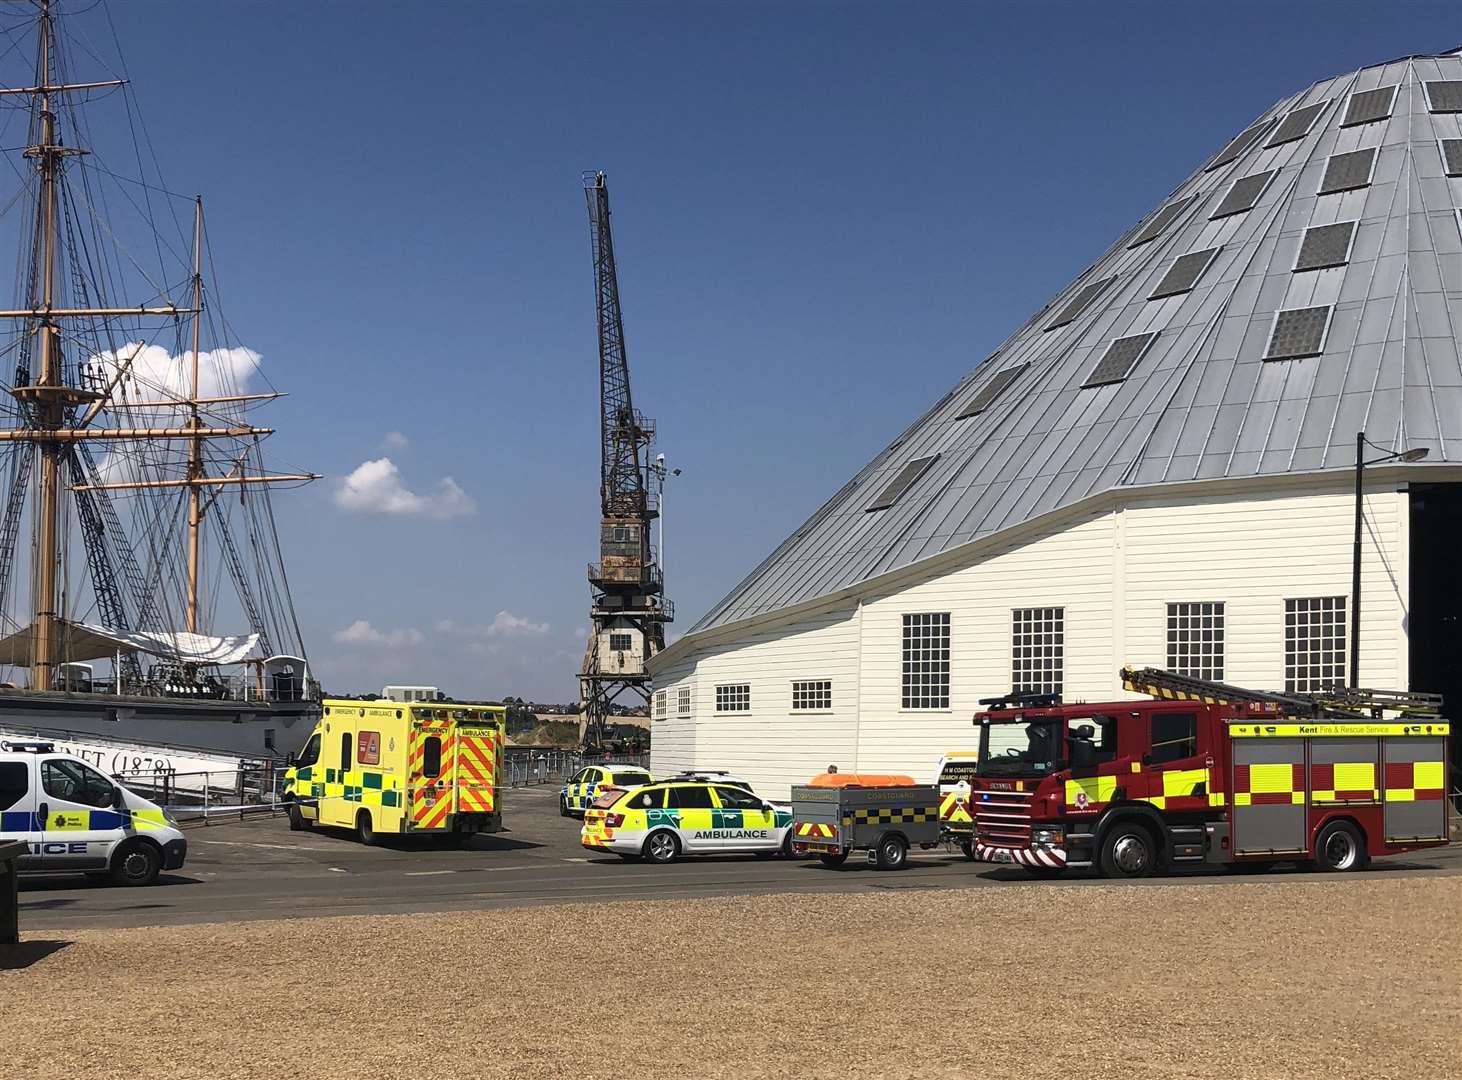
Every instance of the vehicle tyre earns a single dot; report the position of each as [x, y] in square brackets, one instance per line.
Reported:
[786, 849]
[297, 820]
[892, 853]
[365, 832]
[1128, 851]
[662, 847]
[834, 860]
[1340, 848]
[563, 807]
[136, 862]
[968, 847]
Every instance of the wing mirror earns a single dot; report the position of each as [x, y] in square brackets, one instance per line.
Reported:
[119, 800]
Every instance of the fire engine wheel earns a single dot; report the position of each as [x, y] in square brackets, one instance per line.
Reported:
[365, 832]
[136, 862]
[835, 859]
[1339, 848]
[662, 847]
[1128, 851]
[892, 853]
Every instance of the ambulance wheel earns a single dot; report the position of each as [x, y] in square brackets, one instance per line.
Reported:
[662, 847]
[136, 862]
[297, 820]
[834, 860]
[892, 853]
[365, 832]
[1339, 848]
[1128, 851]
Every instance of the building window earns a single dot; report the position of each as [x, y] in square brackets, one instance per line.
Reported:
[1314, 644]
[620, 642]
[660, 696]
[812, 695]
[682, 702]
[733, 697]
[1195, 640]
[926, 661]
[1037, 650]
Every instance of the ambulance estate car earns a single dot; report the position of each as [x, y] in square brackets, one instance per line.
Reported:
[75, 818]
[663, 821]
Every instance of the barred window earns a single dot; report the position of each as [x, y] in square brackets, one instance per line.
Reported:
[682, 704]
[1314, 644]
[733, 697]
[1037, 650]
[926, 661]
[812, 695]
[620, 642]
[660, 706]
[1195, 640]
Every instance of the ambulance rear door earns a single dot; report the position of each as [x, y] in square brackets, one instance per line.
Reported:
[477, 760]
[18, 807]
[431, 771]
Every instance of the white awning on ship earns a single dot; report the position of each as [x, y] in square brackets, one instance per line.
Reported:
[83, 641]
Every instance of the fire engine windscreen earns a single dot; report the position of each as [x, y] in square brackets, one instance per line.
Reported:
[1022, 747]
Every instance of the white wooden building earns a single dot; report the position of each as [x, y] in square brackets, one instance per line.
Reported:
[1156, 469]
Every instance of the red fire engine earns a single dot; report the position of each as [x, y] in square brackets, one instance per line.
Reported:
[1208, 773]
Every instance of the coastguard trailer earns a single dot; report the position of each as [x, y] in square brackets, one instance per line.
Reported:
[403, 769]
[885, 816]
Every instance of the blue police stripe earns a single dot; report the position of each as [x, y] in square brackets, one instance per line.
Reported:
[108, 819]
[18, 821]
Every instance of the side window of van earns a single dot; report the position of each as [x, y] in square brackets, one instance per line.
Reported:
[345, 740]
[75, 782]
[14, 783]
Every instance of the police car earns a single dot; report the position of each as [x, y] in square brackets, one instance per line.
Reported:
[586, 785]
[665, 820]
[75, 818]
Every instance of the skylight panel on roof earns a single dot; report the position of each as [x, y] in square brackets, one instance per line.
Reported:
[1297, 124]
[1325, 245]
[1119, 359]
[901, 483]
[990, 391]
[1298, 333]
[1183, 274]
[1161, 220]
[1369, 105]
[1079, 303]
[1243, 195]
[1245, 139]
[1444, 95]
[1346, 172]
[1451, 156]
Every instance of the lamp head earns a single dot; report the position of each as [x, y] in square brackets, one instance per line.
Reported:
[1416, 453]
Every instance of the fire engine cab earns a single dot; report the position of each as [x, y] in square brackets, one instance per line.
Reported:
[1208, 773]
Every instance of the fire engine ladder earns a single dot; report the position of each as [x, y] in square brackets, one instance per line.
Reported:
[1341, 701]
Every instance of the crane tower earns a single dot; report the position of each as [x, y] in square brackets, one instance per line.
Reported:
[628, 610]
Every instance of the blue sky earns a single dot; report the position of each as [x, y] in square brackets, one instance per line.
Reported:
[825, 215]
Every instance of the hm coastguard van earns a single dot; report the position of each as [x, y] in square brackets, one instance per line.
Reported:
[75, 818]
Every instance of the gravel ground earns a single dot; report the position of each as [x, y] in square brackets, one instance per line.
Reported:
[1312, 978]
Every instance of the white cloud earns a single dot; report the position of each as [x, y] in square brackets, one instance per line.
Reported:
[581, 633]
[506, 624]
[376, 486]
[394, 440]
[361, 632]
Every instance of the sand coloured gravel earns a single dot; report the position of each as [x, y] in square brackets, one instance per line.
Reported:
[1310, 977]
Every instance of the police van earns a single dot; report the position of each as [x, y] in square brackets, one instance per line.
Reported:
[75, 818]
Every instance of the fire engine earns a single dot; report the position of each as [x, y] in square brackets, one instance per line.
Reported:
[1207, 773]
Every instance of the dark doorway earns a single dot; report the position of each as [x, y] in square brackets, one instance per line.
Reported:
[1434, 627]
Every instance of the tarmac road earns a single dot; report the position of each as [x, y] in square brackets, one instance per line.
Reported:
[258, 869]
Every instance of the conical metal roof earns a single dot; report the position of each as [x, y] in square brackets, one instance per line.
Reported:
[1302, 285]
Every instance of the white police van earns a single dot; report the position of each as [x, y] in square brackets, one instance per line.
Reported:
[75, 818]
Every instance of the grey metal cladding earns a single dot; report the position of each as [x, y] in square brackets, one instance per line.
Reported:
[1325, 246]
[1223, 392]
[1297, 333]
[1345, 172]
[1297, 124]
[1161, 220]
[1079, 303]
[987, 394]
[1444, 95]
[1369, 105]
[901, 482]
[1451, 156]
[1183, 274]
[1242, 142]
[1243, 194]
[1121, 356]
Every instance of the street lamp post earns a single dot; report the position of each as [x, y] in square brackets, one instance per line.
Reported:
[662, 472]
[1414, 454]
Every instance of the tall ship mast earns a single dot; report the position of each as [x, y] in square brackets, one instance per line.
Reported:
[129, 455]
